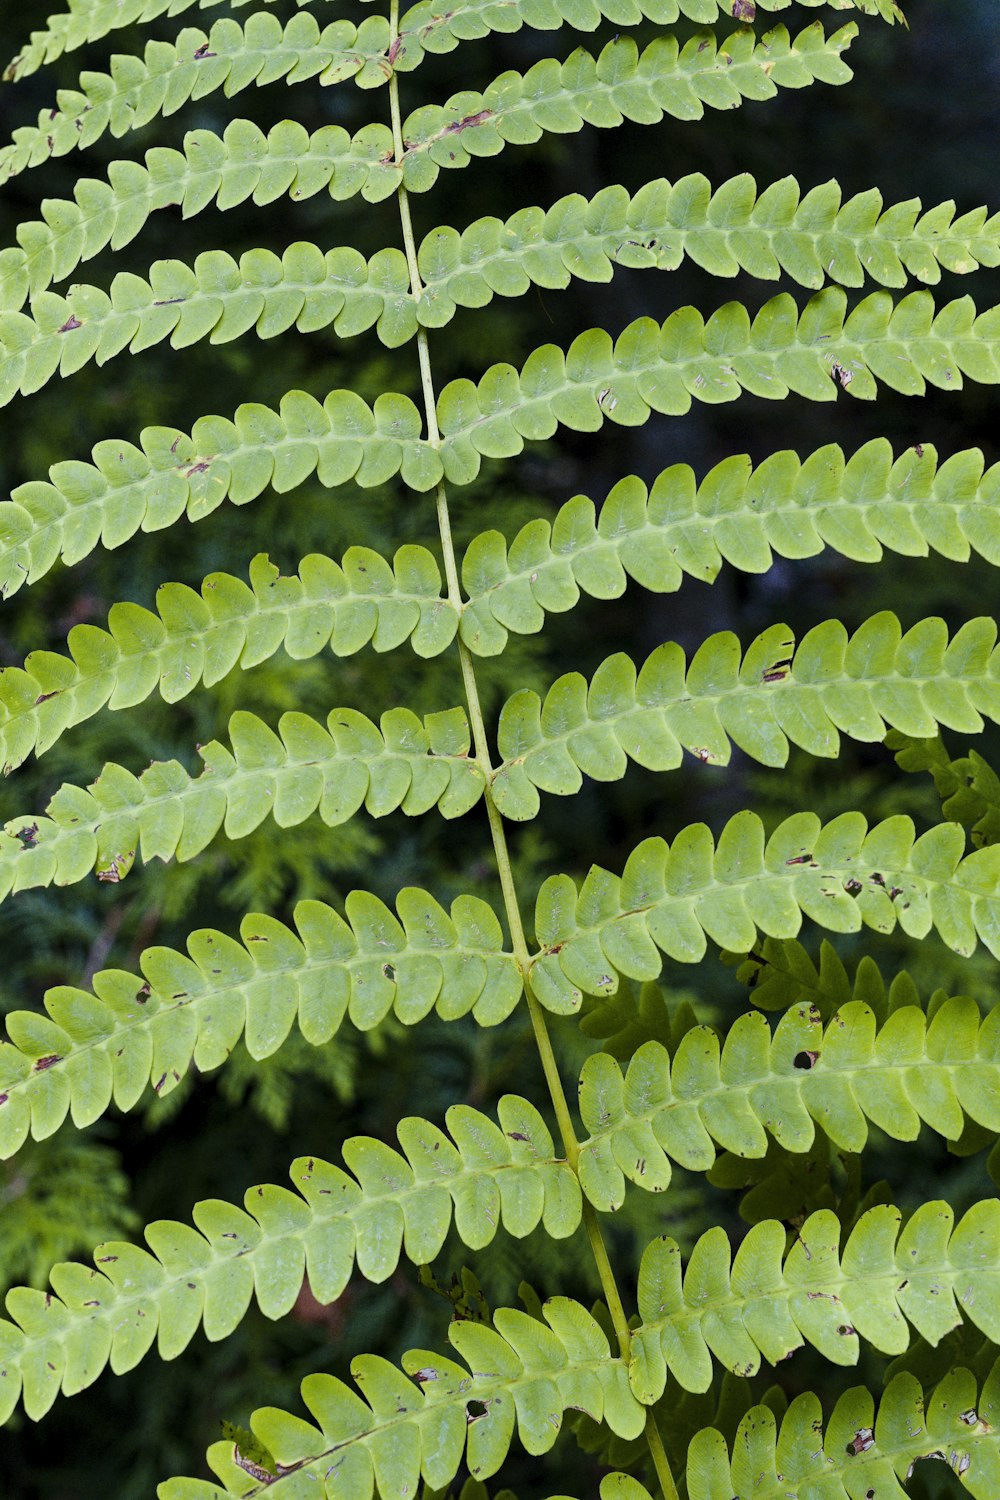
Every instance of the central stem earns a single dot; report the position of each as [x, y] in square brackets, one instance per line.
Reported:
[571, 1144]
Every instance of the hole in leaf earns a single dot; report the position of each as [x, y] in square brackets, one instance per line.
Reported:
[806, 1060]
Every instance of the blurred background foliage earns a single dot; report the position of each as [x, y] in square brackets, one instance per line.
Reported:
[919, 120]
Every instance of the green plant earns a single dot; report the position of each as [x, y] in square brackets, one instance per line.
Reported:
[832, 1270]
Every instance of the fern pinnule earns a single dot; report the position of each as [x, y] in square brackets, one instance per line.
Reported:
[673, 898]
[198, 637]
[136, 1031]
[479, 1176]
[777, 693]
[306, 767]
[898, 1076]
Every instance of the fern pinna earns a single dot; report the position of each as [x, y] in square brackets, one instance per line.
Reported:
[659, 1379]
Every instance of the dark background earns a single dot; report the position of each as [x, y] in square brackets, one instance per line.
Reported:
[919, 120]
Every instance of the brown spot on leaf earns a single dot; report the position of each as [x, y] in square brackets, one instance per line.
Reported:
[744, 10]
[70, 324]
[468, 122]
[49, 1061]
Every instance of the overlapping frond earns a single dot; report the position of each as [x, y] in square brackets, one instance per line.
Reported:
[230, 57]
[969, 787]
[780, 973]
[738, 514]
[776, 694]
[673, 898]
[861, 1452]
[199, 636]
[899, 1075]
[165, 813]
[388, 1205]
[134, 1031]
[928, 1272]
[814, 352]
[519, 1376]
[620, 84]
[171, 474]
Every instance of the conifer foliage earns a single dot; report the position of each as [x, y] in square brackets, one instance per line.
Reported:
[815, 1061]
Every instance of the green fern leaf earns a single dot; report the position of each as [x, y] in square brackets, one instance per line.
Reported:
[727, 231]
[426, 27]
[165, 813]
[927, 1273]
[244, 162]
[429, 27]
[620, 84]
[146, 1029]
[86, 21]
[779, 974]
[814, 353]
[969, 788]
[229, 57]
[129, 488]
[525, 1373]
[779, 694]
[392, 1205]
[675, 897]
[198, 637]
[861, 1452]
[218, 298]
[739, 515]
[906, 1073]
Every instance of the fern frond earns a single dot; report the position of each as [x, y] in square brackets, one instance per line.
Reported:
[243, 163]
[814, 352]
[620, 84]
[900, 1075]
[88, 20]
[433, 26]
[221, 298]
[426, 27]
[521, 1375]
[165, 813]
[129, 488]
[861, 1452]
[218, 298]
[767, 1303]
[781, 973]
[739, 515]
[146, 1029]
[778, 694]
[675, 897]
[969, 788]
[198, 637]
[728, 231]
[481, 1175]
[230, 57]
